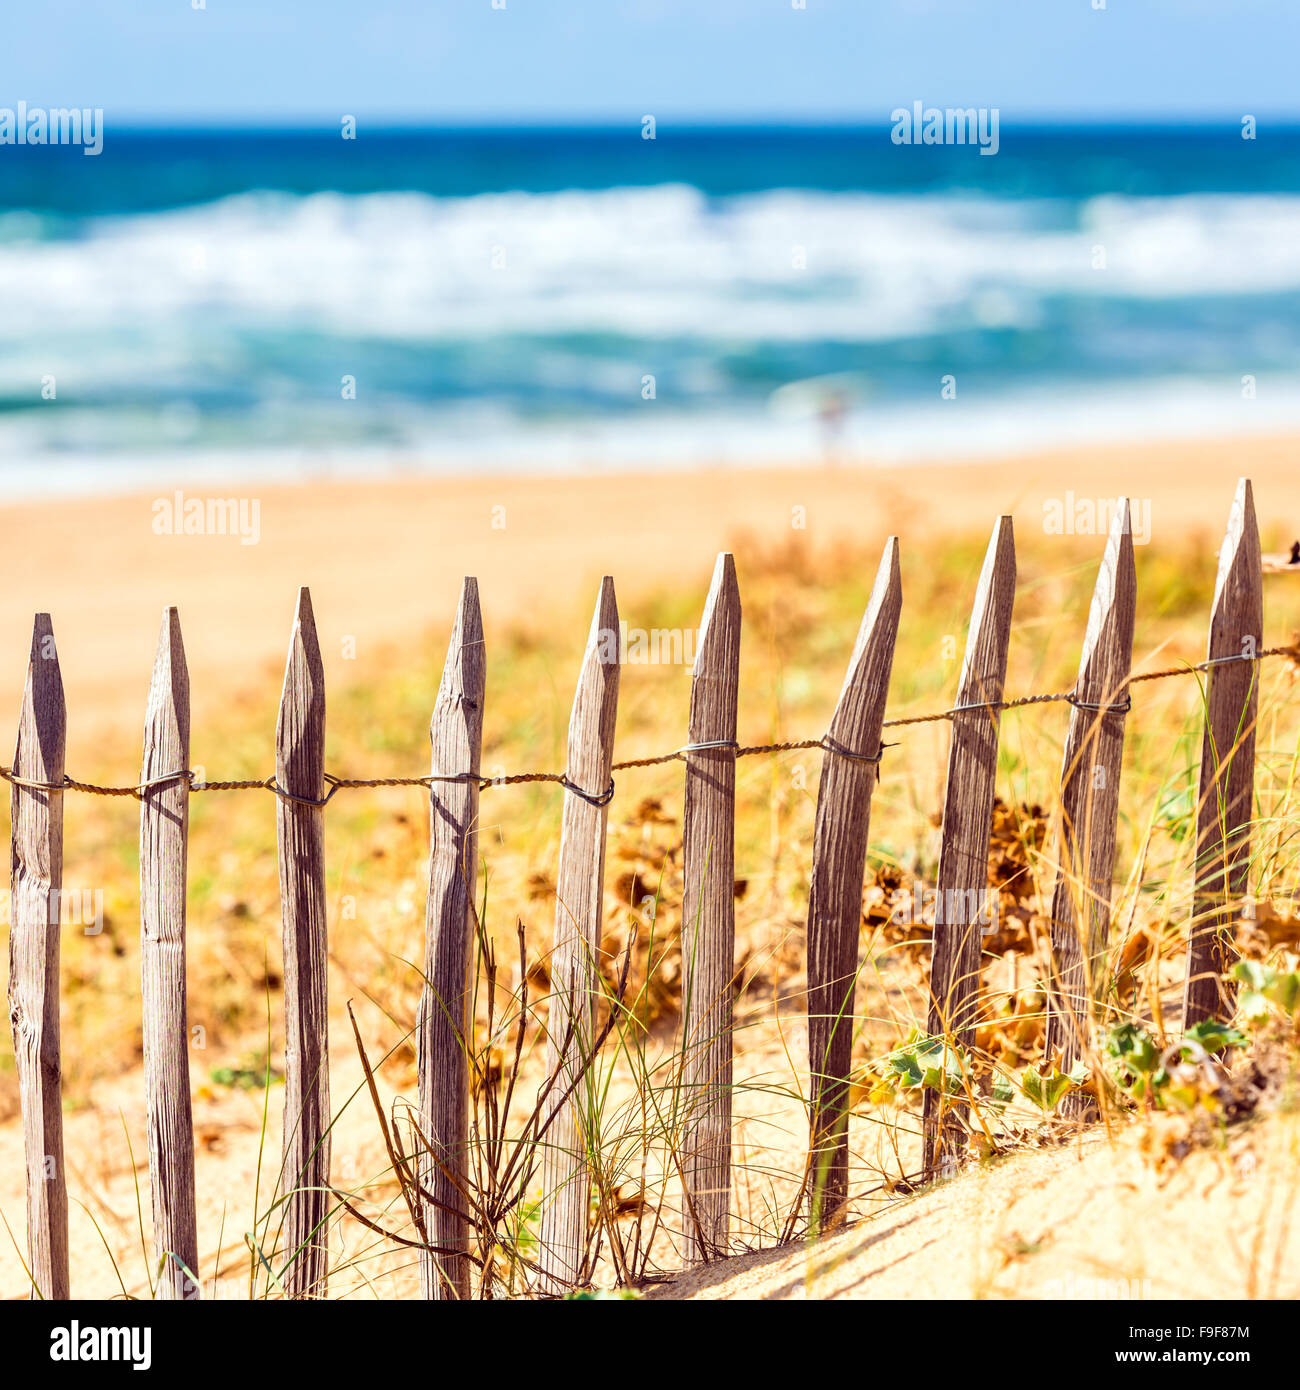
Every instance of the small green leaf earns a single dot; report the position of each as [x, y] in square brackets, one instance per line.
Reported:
[1285, 991]
[1253, 1005]
[1057, 1085]
[927, 1062]
[1263, 983]
[1254, 974]
[1214, 1036]
[1047, 1091]
[905, 1066]
[1132, 1045]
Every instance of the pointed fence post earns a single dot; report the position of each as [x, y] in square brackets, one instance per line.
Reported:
[36, 815]
[709, 921]
[1090, 774]
[1227, 780]
[850, 768]
[164, 831]
[300, 775]
[445, 1029]
[578, 915]
[962, 895]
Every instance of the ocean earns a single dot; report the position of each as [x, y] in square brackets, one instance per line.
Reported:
[192, 304]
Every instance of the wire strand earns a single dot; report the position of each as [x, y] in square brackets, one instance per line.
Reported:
[825, 743]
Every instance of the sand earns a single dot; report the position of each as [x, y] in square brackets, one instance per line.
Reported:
[384, 558]
[1092, 1221]
[1113, 1219]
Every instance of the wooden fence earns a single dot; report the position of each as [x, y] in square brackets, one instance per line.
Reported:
[1080, 904]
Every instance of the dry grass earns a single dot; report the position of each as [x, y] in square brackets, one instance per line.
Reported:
[802, 607]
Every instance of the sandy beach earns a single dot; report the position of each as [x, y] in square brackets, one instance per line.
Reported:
[384, 558]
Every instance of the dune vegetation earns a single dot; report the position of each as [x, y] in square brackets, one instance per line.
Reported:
[802, 606]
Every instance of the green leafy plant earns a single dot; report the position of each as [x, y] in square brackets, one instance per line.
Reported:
[1266, 986]
[252, 1075]
[1212, 1036]
[1047, 1089]
[1137, 1066]
[923, 1063]
[1183, 1075]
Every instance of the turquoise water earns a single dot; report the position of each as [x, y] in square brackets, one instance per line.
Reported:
[587, 298]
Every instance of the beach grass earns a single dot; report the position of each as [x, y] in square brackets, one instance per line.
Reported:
[802, 606]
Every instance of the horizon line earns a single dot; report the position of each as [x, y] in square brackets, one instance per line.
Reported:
[1191, 121]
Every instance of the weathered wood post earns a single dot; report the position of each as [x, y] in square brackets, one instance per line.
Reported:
[962, 895]
[579, 891]
[164, 831]
[36, 815]
[300, 776]
[1090, 774]
[709, 921]
[1227, 780]
[445, 1029]
[850, 768]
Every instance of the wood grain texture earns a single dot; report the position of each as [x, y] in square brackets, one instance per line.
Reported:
[709, 924]
[300, 770]
[164, 834]
[1090, 776]
[578, 900]
[36, 881]
[1227, 779]
[445, 1026]
[962, 880]
[835, 896]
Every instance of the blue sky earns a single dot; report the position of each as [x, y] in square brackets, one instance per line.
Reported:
[284, 61]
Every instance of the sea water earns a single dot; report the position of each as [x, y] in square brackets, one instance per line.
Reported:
[189, 304]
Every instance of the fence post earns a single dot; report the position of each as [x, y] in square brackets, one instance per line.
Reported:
[1227, 780]
[445, 1033]
[709, 921]
[1090, 774]
[300, 772]
[36, 816]
[848, 779]
[962, 881]
[579, 891]
[164, 829]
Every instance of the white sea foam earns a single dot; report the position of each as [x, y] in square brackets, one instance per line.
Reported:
[515, 330]
[651, 263]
